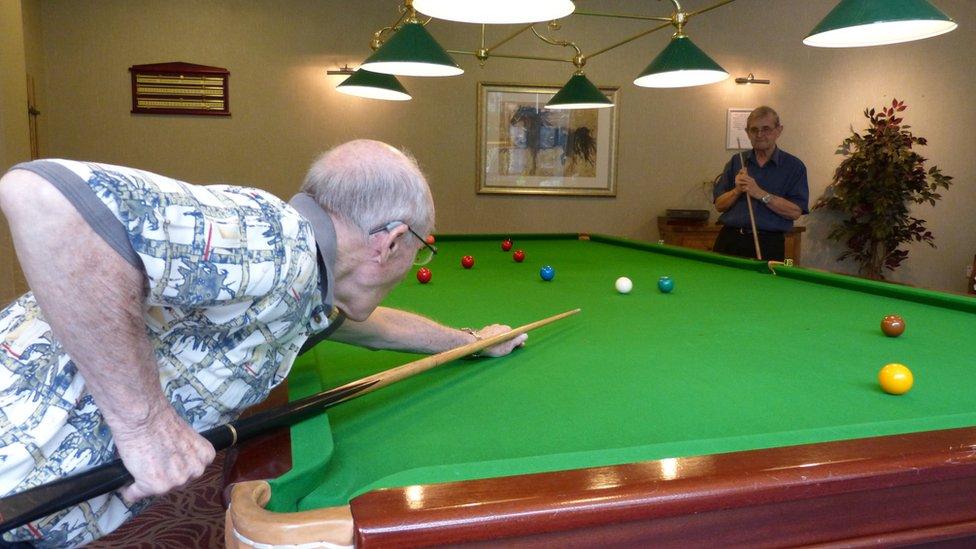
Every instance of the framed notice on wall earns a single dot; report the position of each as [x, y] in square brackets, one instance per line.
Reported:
[180, 88]
[736, 137]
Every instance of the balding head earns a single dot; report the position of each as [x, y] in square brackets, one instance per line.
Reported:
[762, 111]
[368, 184]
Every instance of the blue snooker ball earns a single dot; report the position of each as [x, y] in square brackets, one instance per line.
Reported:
[665, 284]
[547, 273]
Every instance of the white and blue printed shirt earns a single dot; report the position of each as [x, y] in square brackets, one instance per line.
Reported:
[236, 282]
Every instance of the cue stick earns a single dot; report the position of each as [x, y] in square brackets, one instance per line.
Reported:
[752, 218]
[38, 502]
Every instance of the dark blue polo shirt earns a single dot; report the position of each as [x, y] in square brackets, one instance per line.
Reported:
[784, 175]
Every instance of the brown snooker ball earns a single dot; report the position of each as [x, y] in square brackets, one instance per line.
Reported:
[893, 325]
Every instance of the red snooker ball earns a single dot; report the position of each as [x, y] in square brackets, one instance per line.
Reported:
[430, 239]
[518, 256]
[506, 244]
[423, 275]
[467, 262]
[893, 325]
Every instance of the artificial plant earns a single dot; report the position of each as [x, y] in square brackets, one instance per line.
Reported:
[881, 175]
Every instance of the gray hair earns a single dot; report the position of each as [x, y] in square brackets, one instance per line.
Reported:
[369, 184]
[759, 112]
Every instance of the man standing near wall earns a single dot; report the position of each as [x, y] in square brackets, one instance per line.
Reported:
[773, 179]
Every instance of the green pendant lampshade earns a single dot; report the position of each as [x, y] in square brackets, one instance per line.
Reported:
[579, 93]
[373, 85]
[495, 11]
[854, 23]
[681, 64]
[412, 51]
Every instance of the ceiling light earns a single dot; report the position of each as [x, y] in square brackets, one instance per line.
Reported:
[854, 23]
[373, 85]
[412, 51]
[681, 64]
[579, 93]
[495, 11]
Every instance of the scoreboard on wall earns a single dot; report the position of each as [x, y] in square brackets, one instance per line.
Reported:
[180, 88]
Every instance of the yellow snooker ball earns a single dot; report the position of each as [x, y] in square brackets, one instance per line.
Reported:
[895, 379]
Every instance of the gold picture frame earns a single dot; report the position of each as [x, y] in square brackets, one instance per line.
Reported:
[524, 148]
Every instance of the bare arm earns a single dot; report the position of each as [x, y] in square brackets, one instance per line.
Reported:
[390, 328]
[93, 300]
[727, 199]
[784, 207]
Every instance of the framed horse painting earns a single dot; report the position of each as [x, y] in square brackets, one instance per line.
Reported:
[524, 148]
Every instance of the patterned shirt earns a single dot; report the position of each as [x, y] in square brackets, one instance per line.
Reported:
[233, 290]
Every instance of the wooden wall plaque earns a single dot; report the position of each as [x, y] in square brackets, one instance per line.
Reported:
[180, 88]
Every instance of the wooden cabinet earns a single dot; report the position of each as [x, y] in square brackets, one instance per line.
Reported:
[702, 237]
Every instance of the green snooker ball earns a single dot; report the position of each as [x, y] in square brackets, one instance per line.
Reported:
[665, 284]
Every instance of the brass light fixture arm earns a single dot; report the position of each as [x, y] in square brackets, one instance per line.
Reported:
[484, 53]
[379, 36]
[710, 8]
[554, 42]
[677, 20]
[620, 16]
[631, 39]
[511, 56]
[407, 15]
[578, 60]
[509, 37]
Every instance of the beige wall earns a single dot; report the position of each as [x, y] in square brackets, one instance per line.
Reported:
[14, 140]
[285, 109]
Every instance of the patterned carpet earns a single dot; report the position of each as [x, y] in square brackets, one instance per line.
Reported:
[190, 518]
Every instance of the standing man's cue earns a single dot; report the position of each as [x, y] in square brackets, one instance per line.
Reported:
[752, 217]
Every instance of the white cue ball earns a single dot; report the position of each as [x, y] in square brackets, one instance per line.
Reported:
[624, 285]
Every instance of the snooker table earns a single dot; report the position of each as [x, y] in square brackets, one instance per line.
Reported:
[742, 408]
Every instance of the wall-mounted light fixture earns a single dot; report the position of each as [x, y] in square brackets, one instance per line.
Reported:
[344, 70]
[751, 79]
[854, 23]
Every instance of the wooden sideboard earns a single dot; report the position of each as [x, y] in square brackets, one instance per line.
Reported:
[702, 236]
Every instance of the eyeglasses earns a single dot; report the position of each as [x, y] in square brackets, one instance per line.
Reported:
[424, 255]
[765, 129]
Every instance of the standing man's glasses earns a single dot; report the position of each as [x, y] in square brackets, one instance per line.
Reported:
[424, 255]
[765, 129]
